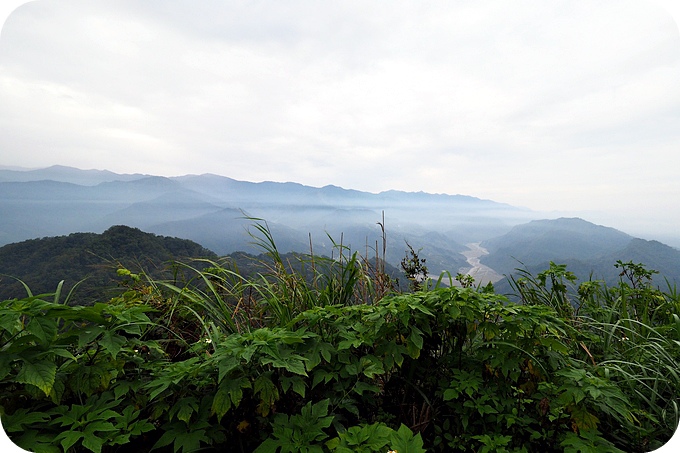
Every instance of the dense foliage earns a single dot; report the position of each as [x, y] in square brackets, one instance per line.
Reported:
[341, 362]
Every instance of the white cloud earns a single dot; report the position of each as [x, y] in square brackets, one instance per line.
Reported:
[542, 104]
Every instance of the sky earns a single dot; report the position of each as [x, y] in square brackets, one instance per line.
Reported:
[568, 107]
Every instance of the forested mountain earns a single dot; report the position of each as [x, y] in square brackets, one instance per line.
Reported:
[541, 241]
[43, 263]
[94, 258]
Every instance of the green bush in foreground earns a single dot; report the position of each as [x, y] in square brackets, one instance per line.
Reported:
[328, 363]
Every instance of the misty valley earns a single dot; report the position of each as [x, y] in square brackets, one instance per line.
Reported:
[214, 212]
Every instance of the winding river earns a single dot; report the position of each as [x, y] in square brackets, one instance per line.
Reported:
[481, 273]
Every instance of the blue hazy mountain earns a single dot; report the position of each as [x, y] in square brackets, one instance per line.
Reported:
[584, 247]
[62, 173]
[210, 209]
[214, 211]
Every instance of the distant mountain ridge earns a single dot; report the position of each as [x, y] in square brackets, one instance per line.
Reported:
[217, 211]
[61, 173]
[212, 211]
[232, 190]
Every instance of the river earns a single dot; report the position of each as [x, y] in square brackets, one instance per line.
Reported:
[481, 273]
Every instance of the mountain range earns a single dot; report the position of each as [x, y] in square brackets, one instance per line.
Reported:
[217, 212]
[213, 211]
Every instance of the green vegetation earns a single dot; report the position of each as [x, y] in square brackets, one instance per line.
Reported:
[89, 261]
[325, 355]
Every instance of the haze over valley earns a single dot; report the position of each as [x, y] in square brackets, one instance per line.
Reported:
[454, 233]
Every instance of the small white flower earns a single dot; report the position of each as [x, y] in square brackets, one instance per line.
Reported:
[208, 340]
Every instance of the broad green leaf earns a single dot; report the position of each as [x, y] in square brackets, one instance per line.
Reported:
[69, 438]
[44, 328]
[123, 387]
[65, 353]
[322, 375]
[183, 409]
[416, 337]
[127, 416]
[451, 394]
[5, 360]
[165, 440]
[583, 419]
[190, 441]
[58, 389]
[319, 350]
[112, 342]
[268, 446]
[229, 393]
[352, 369]
[268, 393]
[93, 443]
[160, 388]
[10, 320]
[184, 413]
[89, 334]
[140, 427]
[371, 366]
[21, 418]
[296, 382]
[403, 440]
[421, 308]
[360, 387]
[225, 366]
[101, 425]
[296, 366]
[40, 374]
[554, 344]
[221, 403]
[326, 350]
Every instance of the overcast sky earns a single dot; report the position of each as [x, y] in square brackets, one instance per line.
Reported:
[572, 106]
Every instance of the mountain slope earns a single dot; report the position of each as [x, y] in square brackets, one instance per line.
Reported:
[42, 263]
[586, 248]
[542, 240]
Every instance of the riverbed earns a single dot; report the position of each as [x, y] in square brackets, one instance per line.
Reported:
[481, 273]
